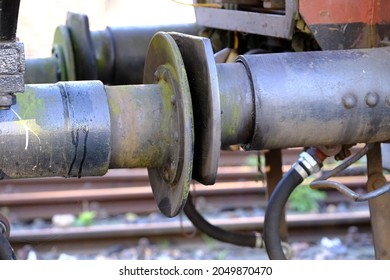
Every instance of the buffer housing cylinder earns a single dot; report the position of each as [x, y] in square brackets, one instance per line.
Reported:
[308, 99]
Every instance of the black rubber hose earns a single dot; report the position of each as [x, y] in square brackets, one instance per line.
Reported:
[9, 12]
[236, 238]
[6, 251]
[273, 215]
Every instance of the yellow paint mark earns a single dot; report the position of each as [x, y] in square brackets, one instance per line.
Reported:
[27, 130]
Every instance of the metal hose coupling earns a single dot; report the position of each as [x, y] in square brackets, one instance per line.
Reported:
[5, 227]
[309, 162]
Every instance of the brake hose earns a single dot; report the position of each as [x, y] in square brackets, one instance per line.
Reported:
[309, 162]
[253, 240]
[6, 251]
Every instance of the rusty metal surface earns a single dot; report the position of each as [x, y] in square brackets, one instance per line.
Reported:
[12, 68]
[274, 173]
[164, 66]
[198, 59]
[274, 4]
[344, 11]
[137, 126]
[342, 94]
[56, 130]
[380, 206]
[274, 25]
[347, 24]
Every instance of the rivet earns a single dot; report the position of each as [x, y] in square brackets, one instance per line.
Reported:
[349, 101]
[372, 99]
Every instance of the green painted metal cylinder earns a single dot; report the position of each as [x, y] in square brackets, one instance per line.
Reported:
[139, 126]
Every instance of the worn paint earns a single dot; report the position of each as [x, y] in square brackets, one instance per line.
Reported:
[347, 24]
[170, 182]
[139, 131]
[29, 105]
[345, 11]
[56, 137]
[230, 117]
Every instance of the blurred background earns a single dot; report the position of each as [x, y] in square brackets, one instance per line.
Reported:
[39, 18]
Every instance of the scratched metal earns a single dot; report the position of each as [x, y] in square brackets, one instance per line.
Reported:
[56, 130]
[320, 98]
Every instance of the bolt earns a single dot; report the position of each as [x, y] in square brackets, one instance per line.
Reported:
[161, 73]
[165, 74]
[173, 100]
[169, 171]
[349, 101]
[372, 99]
[6, 100]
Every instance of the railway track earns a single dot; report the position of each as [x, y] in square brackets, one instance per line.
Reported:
[94, 240]
[123, 191]
[128, 190]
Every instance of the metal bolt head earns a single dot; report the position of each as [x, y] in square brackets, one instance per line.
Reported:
[7, 100]
[162, 73]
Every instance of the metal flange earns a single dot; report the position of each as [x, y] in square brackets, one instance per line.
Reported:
[170, 182]
[84, 51]
[199, 61]
[63, 51]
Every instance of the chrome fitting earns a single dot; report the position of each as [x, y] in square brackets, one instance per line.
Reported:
[3, 228]
[306, 165]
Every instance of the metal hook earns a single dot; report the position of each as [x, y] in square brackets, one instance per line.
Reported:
[347, 162]
[348, 192]
[322, 182]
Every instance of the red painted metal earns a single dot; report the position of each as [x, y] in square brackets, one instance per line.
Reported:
[370, 12]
